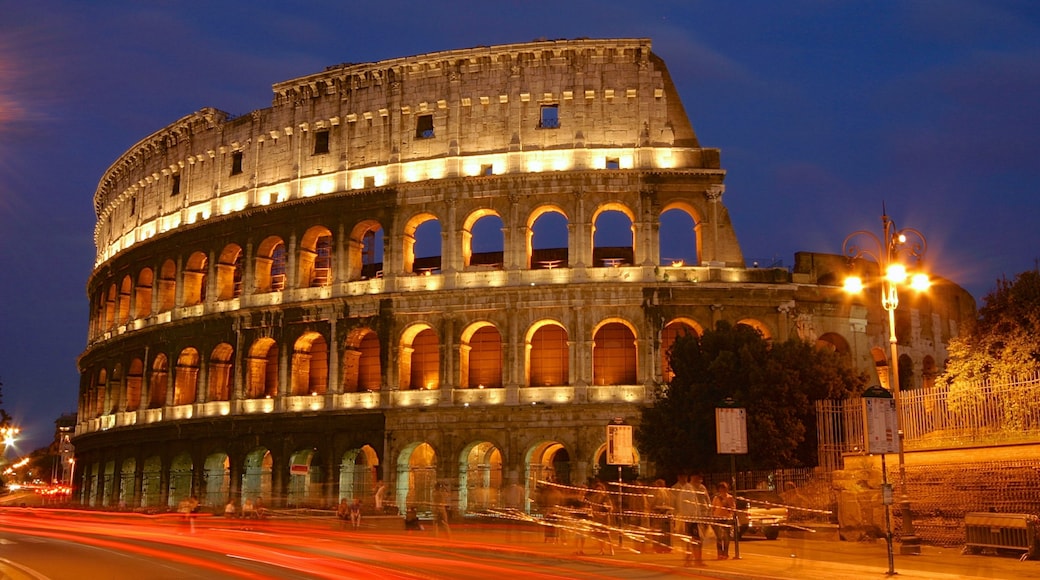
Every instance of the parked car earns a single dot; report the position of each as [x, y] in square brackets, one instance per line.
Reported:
[760, 511]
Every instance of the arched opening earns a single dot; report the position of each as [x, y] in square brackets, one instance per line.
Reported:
[315, 257]
[547, 462]
[759, 326]
[928, 372]
[270, 265]
[417, 476]
[159, 382]
[614, 354]
[678, 236]
[229, 272]
[310, 365]
[907, 377]
[612, 472]
[365, 248]
[216, 480]
[358, 474]
[115, 388]
[673, 330]
[421, 245]
[185, 384]
[613, 236]
[362, 368]
[195, 271]
[143, 291]
[881, 365]
[833, 342]
[480, 477]
[100, 390]
[110, 307]
[151, 477]
[167, 286]
[305, 479]
[548, 355]
[180, 479]
[123, 307]
[220, 372]
[262, 380]
[127, 476]
[420, 359]
[256, 476]
[547, 239]
[134, 381]
[481, 357]
[482, 240]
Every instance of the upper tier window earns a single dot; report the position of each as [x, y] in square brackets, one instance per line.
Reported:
[236, 163]
[321, 142]
[550, 118]
[424, 127]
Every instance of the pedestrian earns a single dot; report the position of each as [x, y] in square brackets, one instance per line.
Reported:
[702, 500]
[380, 496]
[248, 509]
[355, 514]
[687, 512]
[723, 506]
[662, 508]
[343, 512]
[411, 520]
[440, 510]
[230, 510]
[602, 509]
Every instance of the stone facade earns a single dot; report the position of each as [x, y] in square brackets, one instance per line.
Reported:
[269, 317]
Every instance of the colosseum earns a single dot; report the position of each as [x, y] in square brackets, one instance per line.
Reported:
[454, 268]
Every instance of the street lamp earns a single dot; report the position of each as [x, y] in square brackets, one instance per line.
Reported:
[895, 253]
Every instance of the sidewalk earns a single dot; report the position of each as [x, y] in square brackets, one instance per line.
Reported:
[793, 556]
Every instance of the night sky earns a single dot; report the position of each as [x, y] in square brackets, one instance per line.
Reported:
[823, 111]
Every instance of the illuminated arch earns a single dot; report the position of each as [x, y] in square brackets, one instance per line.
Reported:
[110, 307]
[181, 469]
[361, 362]
[314, 265]
[759, 326]
[220, 368]
[614, 357]
[256, 475]
[358, 473]
[408, 251]
[420, 358]
[365, 250]
[542, 229]
[833, 342]
[185, 383]
[688, 245]
[310, 365]
[672, 330]
[269, 268]
[158, 382]
[468, 225]
[167, 286]
[480, 356]
[262, 378]
[480, 477]
[603, 255]
[548, 354]
[195, 271]
[100, 389]
[229, 272]
[416, 476]
[216, 480]
[134, 382]
[143, 294]
[126, 288]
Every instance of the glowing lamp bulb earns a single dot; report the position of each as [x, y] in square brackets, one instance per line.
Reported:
[920, 282]
[853, 284]
[896, 273]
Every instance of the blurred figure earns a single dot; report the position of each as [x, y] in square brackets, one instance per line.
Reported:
[722, 509]
[355, 514]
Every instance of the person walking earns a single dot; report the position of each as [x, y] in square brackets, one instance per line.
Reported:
[355, 514]
[723, 506]
[440, 511]
[687, 512]
[663, 507]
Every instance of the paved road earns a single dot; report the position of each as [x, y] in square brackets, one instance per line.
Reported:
[52, 544]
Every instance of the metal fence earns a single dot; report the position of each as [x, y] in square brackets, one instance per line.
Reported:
[942, 417]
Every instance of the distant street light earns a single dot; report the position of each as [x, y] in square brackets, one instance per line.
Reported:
[896, 252]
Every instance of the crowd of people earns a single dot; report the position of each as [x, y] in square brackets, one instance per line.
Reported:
[650, 516]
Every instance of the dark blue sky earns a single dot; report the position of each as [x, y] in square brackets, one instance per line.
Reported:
[823, 110]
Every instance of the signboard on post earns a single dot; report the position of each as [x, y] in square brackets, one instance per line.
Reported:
[731, 430]
[619, 443]
[881, 424]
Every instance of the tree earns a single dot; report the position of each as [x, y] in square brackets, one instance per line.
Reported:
[777, 384]
[1004, 342]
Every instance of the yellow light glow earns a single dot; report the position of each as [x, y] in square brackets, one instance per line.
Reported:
[534, 166]
[920, 282]
[853, 284]
[896, 273]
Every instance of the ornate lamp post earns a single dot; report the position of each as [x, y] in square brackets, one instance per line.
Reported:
[895, 252]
